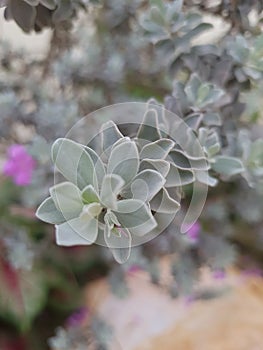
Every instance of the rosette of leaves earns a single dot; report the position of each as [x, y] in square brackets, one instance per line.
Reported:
[197, 154]
[172, 30]
[196, 101]
[36, 14]
[108, 198]
[248, 57]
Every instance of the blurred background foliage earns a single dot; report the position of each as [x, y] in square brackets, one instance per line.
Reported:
[110, 51]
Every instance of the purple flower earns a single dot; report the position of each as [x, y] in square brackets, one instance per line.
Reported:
[193, 232]
[219, 274]
[78, 317]
[19, 165]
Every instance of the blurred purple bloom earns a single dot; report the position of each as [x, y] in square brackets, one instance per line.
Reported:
[253, 272]
[219, 274]
[134, 268]
[78, 317]
[194, 231]
[19, 165]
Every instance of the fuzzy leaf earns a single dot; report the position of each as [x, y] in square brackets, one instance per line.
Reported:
[135, 216]
[149, 128]
[163, 203]
[162, 166]
[111, 187]
[73, 162]
[109, 135]
[48, 212]
[77, 232]
[67, 199]
[124, 160]
[227, 166]
[145, 185]
[89, 195]
[157, 150]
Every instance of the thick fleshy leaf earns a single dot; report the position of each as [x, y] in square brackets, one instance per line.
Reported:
[163, 203]
[179, 177]
[89, 195]
[157, 150]
[227, 166]
[145, 185]
[48, 212]
[99, 167]
[91, 211]
[77, 232]
[188, 163]
[109, 135]
[111, 187]
[205, 178]
[67, 199]
[162, 166]
[124, 160]
[135, 216]
[149, 128]
[119, 243]
[73, 162]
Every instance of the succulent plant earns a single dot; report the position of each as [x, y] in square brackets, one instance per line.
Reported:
[108, 198]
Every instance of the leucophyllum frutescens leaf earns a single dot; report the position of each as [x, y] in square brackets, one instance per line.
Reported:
[107, 198]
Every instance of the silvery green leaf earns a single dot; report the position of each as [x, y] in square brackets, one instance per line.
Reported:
[156, 16]
[111, 187]
[179, 177]
[210, 118]
[239, 49]
[174, 8]
[163, 203]
[185, 163]
[192, 87]
[227, 166]
[146, 185]
[149, 128]
[109, 135]
[135, 216]
[67, 199]
[162, 166]
[124, 160]
[73, 162]
[90, 211]
[99, 168]
[77, 232]
[207, 94]
[89, 195]
[205, 178]
[48, 212]
[119, 244]
[157, 150]
[194, 120]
